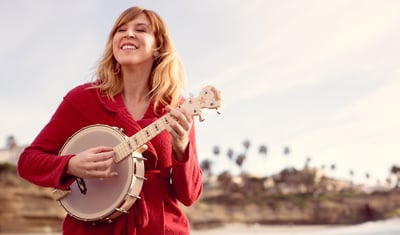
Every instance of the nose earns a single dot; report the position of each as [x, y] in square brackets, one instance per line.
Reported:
[130, 34]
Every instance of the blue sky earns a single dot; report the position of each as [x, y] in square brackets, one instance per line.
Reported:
[321, 77]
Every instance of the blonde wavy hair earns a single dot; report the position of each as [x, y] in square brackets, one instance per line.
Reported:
[167, 78]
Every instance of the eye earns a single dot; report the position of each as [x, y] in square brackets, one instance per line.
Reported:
[141, 29]
[121, 29]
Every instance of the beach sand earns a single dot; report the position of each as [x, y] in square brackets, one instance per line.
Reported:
[240, 229]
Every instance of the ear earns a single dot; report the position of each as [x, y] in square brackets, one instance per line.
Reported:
[156, 54]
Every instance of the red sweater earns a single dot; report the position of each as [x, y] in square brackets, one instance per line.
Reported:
[157, 212]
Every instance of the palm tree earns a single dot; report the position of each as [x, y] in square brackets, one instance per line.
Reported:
[286, 150]
[333, 168]
[11, 142]
[367, 176]
[246, 144]
[307, 163]
[351, 172]
[230, 153]
[216, 150]
[263, 149]
[240, 159]
[205, 166]
[395, 170]
[388, 182]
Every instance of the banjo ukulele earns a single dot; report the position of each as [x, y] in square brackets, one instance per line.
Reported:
[107, 199]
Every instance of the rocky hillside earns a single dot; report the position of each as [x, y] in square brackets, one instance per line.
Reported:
[291, 197]
[25, 207]
[28, 208]
[294, 209]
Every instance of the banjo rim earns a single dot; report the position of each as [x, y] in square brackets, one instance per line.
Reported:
[132, 185]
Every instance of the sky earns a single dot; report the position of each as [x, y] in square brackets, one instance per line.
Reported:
[320, 77]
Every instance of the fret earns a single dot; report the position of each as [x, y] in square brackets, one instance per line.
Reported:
[121, 150]
[132, 143]
[135, 140]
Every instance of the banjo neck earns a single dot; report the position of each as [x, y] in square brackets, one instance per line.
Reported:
[131, 144]
[209, 97]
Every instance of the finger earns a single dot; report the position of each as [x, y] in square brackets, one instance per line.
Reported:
[170, 129]
[102, 156]
[100, 174]
[100, 171]
[175, 128]
[100, 166]
[100, 149]
[173, 131]
[179, 115]
[188, 117]
[182, 120]
[185, 125]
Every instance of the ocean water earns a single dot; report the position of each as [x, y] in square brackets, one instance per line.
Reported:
[387, 227]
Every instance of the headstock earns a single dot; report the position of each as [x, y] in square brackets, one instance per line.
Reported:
[209, 97]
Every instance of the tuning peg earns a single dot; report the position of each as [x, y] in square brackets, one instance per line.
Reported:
[218, 112]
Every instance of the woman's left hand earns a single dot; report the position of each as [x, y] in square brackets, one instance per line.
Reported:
[180, 124]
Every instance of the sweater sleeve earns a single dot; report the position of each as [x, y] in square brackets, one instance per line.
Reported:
[39, 163]
[187, 174]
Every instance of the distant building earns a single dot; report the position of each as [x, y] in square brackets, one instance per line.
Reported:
[11, 155]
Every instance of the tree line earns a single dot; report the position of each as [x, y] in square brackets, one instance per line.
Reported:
[238, 158]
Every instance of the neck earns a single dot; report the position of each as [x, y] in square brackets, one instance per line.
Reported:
[136, 82]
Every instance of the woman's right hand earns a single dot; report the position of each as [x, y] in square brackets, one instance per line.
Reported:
[94, 162]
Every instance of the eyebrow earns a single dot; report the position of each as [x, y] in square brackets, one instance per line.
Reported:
[142, 24]
[139, 24]
[135, 24]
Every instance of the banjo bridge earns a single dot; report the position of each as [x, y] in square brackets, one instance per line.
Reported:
[138, 156]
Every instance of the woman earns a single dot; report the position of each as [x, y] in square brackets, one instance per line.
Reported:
[139, 78]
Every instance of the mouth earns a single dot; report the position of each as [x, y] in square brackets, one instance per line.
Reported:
[128, 47]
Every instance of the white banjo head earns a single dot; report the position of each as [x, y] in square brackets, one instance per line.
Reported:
[103, 196]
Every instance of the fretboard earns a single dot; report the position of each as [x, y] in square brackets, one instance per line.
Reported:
[132, 143]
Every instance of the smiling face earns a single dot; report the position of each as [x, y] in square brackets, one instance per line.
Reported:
[137, 35]
[134, 43]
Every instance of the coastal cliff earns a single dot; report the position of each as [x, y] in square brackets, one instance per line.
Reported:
[332, 209]
[25, 207]
[28, 208]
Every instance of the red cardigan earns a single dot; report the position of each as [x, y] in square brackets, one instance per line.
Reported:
[157, 212]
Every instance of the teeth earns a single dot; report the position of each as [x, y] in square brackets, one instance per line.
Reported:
[128, 47]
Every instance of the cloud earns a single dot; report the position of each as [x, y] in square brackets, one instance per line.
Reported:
[364, 132]
[293, 48]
